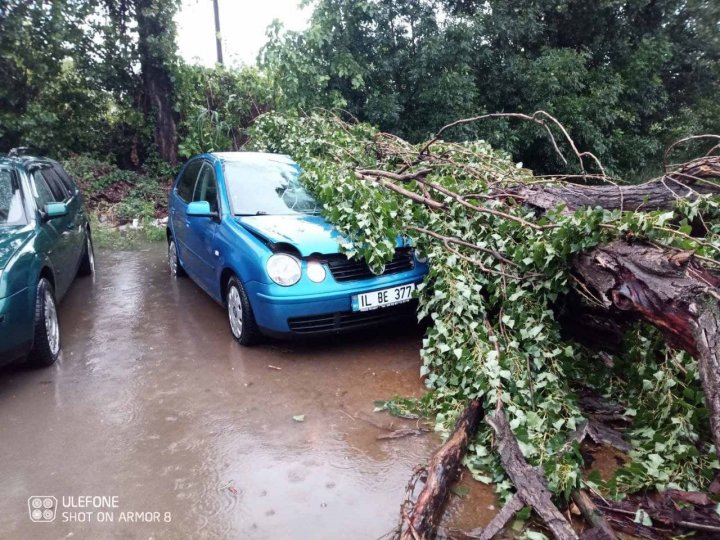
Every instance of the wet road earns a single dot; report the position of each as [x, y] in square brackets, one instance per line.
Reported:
[186, 434]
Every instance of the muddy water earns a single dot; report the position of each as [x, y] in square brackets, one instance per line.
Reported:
[154, 404]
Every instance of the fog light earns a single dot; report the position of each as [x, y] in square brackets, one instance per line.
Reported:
[315, 271]
[421, 258]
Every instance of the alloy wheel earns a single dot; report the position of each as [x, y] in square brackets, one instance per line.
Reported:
[91, 255]
[52, 328]
[172, 258]
[235, 311]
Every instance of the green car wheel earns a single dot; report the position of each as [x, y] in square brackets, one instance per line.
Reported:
[46, 345]
[87, 263]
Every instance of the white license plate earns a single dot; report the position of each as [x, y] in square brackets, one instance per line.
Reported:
[383, 298]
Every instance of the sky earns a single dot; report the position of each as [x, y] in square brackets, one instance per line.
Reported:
[242, 26]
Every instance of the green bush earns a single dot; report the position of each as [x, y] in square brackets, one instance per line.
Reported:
[122, 194]
[217, 105]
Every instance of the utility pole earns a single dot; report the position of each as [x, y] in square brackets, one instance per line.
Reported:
[218, 40]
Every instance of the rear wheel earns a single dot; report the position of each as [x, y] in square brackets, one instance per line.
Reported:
[173, 262]
[87, 264]
[46, 344]
[240, 315]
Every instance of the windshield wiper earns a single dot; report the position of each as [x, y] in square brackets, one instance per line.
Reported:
[258, 213]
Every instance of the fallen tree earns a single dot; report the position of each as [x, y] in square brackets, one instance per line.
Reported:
[515, 254]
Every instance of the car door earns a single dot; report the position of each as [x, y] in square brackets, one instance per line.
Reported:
[76, 215]
[55, 233]
[200, 231]
[180, 196]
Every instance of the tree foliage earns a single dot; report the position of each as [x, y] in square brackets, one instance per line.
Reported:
[499, 278]
[47, 69]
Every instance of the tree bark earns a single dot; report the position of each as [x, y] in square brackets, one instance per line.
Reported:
[528, 481]
[593, 516]
[155, 28]
[501, 519]
[687, 182]
[442, 470]
[670, 290]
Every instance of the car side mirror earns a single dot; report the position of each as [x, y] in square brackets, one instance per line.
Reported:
[200, 209]
[55, 210]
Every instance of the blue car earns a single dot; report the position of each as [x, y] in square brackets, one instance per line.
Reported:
[242, 226]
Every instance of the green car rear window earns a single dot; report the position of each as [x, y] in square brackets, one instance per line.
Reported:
[12, 209]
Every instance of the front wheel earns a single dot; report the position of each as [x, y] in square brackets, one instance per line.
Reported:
[87, 264]
[46, 344]
[240, 315]
[176, 270]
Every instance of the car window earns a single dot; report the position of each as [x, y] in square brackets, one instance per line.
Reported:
[65, 179]
[206, 187]
[12, 211]
[41, 191]
[186, 184]
[56, 185]
[271, 187]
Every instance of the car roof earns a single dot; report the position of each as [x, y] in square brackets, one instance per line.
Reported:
[253, 157]
[23, 160]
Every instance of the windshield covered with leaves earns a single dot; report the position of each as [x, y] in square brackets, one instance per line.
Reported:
[11, 202]
[268, 188]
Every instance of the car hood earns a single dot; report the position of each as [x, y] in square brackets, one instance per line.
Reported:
[309, 234]
[11, 239]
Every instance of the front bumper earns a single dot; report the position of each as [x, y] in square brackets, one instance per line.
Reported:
[328, 308]
[16, 325]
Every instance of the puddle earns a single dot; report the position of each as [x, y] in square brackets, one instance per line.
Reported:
[155, 404]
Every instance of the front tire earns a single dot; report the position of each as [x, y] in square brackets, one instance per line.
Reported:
[46, 344]
[240, 315]
[87, 264]
[176, 270]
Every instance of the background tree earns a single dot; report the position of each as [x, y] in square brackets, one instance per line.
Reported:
[49, 96]
[626, 76]
[155, 51]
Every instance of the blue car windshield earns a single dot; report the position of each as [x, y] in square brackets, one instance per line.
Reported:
[267, 188]
[12, 211]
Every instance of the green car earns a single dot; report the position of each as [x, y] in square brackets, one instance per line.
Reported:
[44, 243]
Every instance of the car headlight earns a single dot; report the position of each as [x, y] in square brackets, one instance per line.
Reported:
[316, 271]
[420, 257]
[283, 269]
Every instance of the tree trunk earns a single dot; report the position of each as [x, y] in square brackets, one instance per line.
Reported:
[156, 49]
[670, 290]
[663, 193]
[441, 472]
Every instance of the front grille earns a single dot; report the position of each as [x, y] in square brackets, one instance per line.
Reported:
[344, 269]
[351, 320]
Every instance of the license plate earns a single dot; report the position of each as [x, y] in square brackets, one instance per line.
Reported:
[383, 298]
